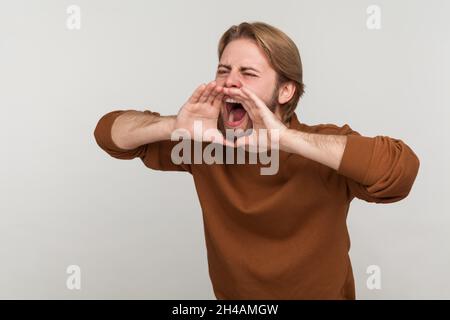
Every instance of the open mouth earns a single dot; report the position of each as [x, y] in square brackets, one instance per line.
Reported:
[235, 114]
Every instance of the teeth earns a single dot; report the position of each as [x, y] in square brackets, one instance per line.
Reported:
[231, 100]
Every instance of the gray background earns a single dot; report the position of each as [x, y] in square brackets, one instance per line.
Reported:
[64, 201]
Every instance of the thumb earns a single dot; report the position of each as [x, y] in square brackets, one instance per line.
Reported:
[226, 143]
[241, 142]
[218, 138]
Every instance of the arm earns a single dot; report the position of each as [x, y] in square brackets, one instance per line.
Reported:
[128, 134]
[127, 130]
[125, 134]
[324, 148]
[132, 129]
[146, 130]
[378, 169]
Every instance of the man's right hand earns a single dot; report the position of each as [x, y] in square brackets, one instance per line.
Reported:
[203, 107]
[133, 128]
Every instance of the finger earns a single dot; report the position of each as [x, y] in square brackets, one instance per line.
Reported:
[197, 93]
[227, 143]
[214, 93]
[235, 93]
[204, 97]
[247, 102]
[217, 137]
[256, 100]
[253, 100]
[241, 142]
[242, 97]
[251, 111]
[258, 106]
[218, 99]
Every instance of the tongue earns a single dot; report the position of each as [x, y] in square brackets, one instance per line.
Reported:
[236, 114]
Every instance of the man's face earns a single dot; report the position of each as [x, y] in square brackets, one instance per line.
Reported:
[243, 63]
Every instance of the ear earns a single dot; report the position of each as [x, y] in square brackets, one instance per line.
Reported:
[286, 92]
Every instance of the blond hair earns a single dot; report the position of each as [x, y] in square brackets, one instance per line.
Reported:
[281, 52]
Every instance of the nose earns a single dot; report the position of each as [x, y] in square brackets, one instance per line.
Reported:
[233, 81]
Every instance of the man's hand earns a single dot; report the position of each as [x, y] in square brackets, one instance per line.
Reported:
[325, 149]
[202, 107]
[267, 128]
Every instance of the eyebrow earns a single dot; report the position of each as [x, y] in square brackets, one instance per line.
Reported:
[227, 66]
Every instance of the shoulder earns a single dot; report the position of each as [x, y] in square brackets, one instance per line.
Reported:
[322, 128]
[328, 128]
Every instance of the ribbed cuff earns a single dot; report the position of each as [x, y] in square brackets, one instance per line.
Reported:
[357, 157]
[102, 131]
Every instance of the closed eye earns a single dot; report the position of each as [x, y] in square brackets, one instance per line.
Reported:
[246, 74]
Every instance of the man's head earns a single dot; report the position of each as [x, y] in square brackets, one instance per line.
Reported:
[265, 60]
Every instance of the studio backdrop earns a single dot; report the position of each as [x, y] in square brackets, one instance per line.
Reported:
[68, 209]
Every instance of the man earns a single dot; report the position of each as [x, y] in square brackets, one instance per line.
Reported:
[278, 236]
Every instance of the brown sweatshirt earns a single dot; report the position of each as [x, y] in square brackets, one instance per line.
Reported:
[284, 236]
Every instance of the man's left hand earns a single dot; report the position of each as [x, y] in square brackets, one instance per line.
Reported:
[265, 122]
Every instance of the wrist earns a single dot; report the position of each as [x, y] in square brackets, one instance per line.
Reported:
[286, 138]
[166, 126]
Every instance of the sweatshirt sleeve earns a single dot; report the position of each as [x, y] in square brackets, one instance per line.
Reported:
[378, 169]
[155, 155]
